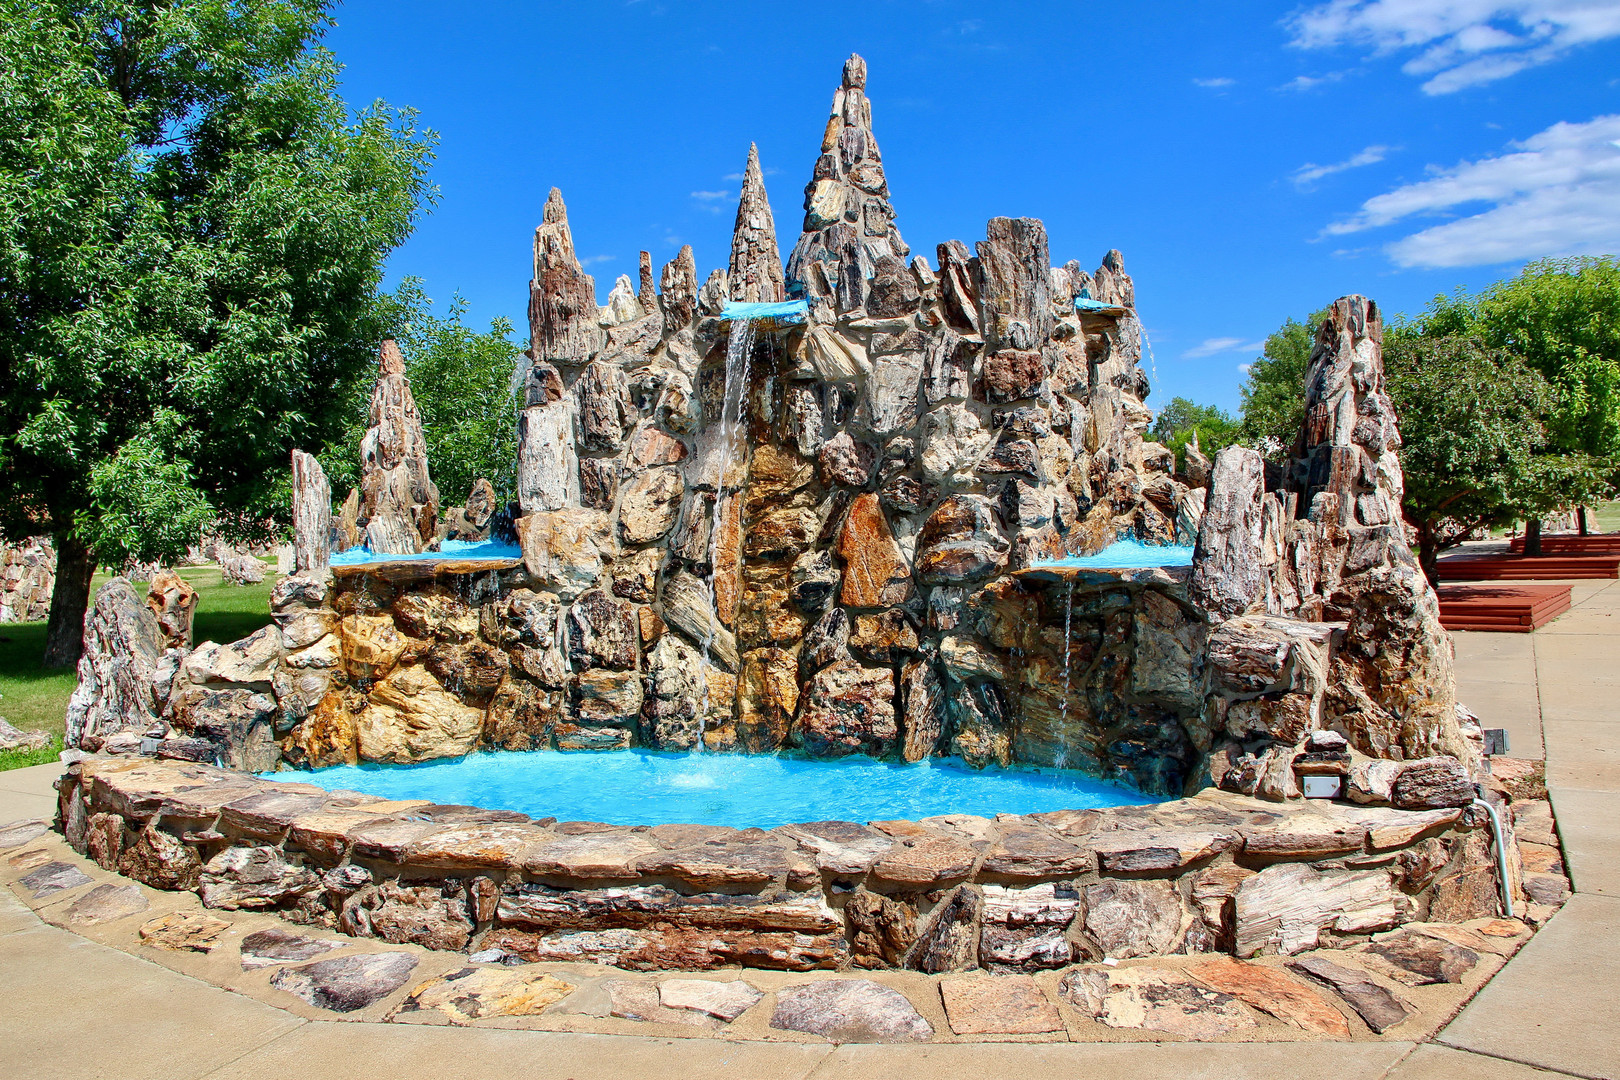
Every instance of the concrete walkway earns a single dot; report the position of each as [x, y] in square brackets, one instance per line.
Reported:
[74, 1009]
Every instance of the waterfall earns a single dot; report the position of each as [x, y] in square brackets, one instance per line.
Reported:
[733, 401]
[1068, 650]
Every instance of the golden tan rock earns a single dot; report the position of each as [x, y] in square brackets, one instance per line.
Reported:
[411, 718]
[875, 572]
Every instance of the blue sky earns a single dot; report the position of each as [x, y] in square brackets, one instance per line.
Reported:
[1253, 161]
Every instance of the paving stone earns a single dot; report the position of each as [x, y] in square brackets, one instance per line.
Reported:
[1271, 991]
[347, 983]
[104, 903]
[278, 945]
[1419, 960]
[476, 993]
[1379, 1006]
[611, 854]
[998, 1005]
[631, 999]
[850, 1010]
[53, 877]
[1158, 850]
[1156, 999]
[723, 1000]
[17, 833]
[31, 859]
[184, 931]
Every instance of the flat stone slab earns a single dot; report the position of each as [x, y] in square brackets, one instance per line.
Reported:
[184, 931]
[631, 999]
[277, 945]
[1419, 960]
[347, 983]
[17, 833]
[723, 1000]
[1274, 992]
[850, 1010]
[104, 903]
[1155, 999]
[1379, 1006]
[476, 993]
[998, 1005]
[53, 877]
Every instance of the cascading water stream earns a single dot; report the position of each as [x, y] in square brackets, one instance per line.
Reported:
[1068, 650]
[733, 396]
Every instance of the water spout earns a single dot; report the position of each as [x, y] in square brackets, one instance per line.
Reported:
[733, 400]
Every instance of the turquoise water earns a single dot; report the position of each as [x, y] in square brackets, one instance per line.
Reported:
[790, 311]
[1126, 555]
[642, 787]
[450, 549]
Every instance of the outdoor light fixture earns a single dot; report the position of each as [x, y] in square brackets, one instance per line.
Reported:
[1322, 787]
[1496, 741]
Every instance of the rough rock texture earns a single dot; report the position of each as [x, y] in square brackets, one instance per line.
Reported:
[1155, 999]
[312, 515]
[347, 983]
[756, 267]
[122, 646]
[27, 577]
[399, 505]
[173, 602]
[850, 1010]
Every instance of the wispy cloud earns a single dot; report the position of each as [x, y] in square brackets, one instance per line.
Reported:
[1218, 345]
[1311, 82]
[1219, 83]
[1459, 43]
[592, 260]
[1555, 193]
[765, 170]
[1310, 172]
[707, 195]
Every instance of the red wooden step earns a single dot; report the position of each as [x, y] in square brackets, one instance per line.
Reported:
[1529, 567]
[1501, 608]
[1571, 543]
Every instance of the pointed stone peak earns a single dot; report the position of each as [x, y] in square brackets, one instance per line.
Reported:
[390, 361]
[855, 72]
[848, 218]
[556, 212]
[562, 296]
[756, 263]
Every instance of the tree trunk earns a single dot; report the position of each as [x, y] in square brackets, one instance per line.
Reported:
[64, 634]
[1532, 536]
[1428, 555]
[1580, 519]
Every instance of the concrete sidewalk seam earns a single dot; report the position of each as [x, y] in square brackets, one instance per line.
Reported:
[250, 1051]
[1517, 1061]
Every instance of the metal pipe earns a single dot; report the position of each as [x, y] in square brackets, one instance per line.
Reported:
[1501, 855]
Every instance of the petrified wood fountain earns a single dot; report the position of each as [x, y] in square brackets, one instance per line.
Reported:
[816, 512]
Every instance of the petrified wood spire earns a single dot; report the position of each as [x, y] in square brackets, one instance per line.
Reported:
[399, 506]
[312, 515]
[562, 297]
[756, 265]
[848, 219]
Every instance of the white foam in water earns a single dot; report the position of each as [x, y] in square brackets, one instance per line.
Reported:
[1125, 555]
[644, 787]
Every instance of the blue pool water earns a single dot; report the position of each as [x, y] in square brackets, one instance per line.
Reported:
[450, 549]
[788, 311]
[1126, 555]
[642, 787]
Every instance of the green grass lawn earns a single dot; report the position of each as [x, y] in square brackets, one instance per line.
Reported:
[35, 699]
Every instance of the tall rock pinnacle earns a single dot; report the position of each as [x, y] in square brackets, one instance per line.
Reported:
[756, 265]
[562, 297]
[848, 219]
[398, 502]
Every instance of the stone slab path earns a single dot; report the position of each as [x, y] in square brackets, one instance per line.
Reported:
[73, 1005]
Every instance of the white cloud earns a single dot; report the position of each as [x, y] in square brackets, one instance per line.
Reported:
[1311, 82]
[739, 177]
[1216, 346]
[1459, 43]
[708, 195]
[1310, 172]
[1555, 193]
[1245, 368]
[592, 260]
[1220, 83]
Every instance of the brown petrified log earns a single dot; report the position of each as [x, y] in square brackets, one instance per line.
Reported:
[398, 503]
[562, 297]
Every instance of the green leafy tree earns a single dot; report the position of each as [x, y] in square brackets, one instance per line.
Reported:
[1475, 450]
[1179, 421]
[1273, 391]
[462, 383]
[1562, 318]
[192, 235]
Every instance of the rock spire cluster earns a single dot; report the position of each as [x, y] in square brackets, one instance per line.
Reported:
[399, 506]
